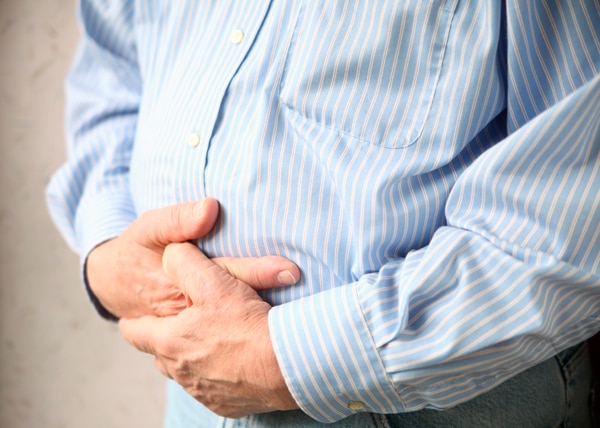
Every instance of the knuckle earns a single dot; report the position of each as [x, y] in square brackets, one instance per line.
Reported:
[218, 408]
[145, 217]
[168, 346]
[259, 280]
[167, 349]
[181, 368]
[174, 215]
[169, 307]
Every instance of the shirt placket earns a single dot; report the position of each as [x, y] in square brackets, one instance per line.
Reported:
[233, 43]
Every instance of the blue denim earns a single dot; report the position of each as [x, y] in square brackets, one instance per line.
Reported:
[555, 393]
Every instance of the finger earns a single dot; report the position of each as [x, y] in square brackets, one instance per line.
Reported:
[161, 368]
[176, 223]
[261, 272]
[193, 272]
[143, 333]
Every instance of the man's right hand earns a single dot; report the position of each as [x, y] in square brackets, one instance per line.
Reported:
[126, 275]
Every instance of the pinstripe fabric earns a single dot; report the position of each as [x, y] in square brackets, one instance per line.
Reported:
[432, 167]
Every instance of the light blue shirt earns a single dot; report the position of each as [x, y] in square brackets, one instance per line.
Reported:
[433, 167]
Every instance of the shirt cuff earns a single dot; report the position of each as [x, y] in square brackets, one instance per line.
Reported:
[328, 358]
[104, 217]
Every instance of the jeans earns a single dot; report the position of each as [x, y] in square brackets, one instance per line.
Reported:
[555, 393]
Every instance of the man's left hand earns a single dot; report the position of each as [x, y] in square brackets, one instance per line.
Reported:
[218, 348]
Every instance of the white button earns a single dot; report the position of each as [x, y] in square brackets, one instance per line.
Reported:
[356, 406]
[193, 140]
[237, 36]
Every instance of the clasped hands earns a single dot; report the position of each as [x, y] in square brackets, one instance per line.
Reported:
[201, 318]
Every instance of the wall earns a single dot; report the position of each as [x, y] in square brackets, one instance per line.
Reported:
[61, 366]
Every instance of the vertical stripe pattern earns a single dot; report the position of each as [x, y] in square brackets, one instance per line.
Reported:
[433, 167]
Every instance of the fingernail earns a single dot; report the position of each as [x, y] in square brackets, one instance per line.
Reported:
[198, 209]
[286, 278]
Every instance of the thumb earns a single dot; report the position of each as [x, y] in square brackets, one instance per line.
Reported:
[176, 223]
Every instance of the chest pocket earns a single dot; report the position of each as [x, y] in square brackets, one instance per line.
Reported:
[367, 69]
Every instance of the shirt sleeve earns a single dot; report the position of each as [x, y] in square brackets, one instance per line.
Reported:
[88, 197]
[510, 280]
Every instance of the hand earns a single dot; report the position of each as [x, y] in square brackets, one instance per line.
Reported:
[126, 273]
[219, 348]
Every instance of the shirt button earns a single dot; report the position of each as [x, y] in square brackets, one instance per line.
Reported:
[357, 406]
[237, 36]
[193, 140]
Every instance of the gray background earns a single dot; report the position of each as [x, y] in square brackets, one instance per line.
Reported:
[60, 365]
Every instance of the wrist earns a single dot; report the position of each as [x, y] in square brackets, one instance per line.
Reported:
[94, 270]
[281, 398]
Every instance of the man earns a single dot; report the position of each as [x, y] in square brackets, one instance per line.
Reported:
[432, 169]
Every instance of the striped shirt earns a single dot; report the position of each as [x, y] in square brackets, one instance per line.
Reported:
[433, 167]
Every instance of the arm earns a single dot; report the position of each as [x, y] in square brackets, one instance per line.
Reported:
[89, 198]
[513, 279]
